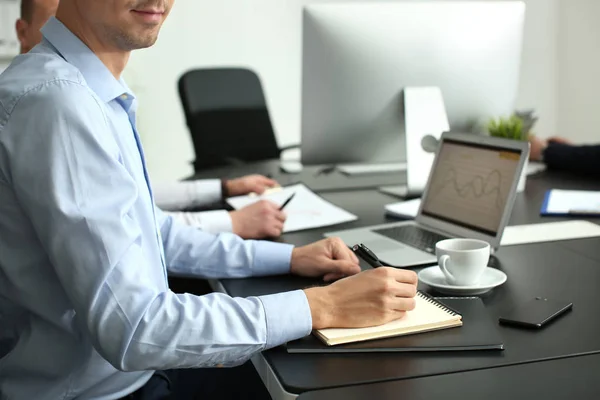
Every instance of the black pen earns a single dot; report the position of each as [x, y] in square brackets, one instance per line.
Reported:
[285, 203]
[366, 254]
[325, 170]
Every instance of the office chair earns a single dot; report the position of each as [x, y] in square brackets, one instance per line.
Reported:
[227, 115]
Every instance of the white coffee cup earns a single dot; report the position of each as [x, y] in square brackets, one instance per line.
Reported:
[462, 261]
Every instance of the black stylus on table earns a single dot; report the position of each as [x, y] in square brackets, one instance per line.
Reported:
[366, 254]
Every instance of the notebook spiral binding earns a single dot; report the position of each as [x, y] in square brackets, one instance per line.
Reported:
[437, 303]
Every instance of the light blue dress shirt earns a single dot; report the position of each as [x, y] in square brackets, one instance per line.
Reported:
[85, 308]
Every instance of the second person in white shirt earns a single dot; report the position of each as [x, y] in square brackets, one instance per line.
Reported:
[257, 221]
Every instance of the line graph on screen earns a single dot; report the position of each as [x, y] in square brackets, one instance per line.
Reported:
[479, 186]
[471, 185]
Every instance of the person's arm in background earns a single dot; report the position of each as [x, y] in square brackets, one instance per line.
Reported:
[174, 196]
[559, 154]
[180, 195]
[213, 221]
[583, 160]
[260, 220]
[257, 221]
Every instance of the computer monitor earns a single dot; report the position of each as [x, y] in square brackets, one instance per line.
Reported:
[358, 57]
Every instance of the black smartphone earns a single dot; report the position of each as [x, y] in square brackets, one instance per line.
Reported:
[536, 312]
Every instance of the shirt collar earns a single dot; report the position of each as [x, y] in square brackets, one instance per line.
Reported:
[75, 52]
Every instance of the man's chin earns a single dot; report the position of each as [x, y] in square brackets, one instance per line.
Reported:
[136, 43]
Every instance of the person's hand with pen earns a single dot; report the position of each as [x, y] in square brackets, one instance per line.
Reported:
[354, 299]
[261, 219]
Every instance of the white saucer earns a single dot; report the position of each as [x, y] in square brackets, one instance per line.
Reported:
[434, 277]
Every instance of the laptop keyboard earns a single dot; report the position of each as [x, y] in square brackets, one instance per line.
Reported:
[413, 236]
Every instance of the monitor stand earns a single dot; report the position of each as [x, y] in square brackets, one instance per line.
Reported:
[295, 167]
[395, 190]
[368, 169]
[425, 120]
[291, 166]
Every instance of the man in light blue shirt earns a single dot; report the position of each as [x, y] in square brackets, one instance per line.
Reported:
[85, 308]
[257, 221]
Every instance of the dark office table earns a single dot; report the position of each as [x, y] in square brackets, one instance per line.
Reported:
[568, 270]
[569, 378]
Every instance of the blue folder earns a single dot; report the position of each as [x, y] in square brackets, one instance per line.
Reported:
[576, 211]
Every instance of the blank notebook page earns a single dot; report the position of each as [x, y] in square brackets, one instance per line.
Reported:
[428, 315]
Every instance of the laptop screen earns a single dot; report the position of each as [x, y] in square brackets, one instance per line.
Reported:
[470, 185]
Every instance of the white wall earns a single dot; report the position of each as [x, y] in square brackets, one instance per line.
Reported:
[540, 68]
[265, 35]
[579, 84]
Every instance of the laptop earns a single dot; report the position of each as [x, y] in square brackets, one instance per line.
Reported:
[470, 193]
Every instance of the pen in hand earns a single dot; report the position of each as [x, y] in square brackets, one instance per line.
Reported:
[366, 254]
[285, 203]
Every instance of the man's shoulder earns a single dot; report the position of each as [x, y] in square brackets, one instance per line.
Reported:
[37, 74]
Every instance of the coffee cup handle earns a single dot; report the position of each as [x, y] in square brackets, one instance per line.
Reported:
[443, 260]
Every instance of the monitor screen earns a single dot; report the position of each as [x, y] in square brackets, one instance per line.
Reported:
[470, 185]
[358, 57]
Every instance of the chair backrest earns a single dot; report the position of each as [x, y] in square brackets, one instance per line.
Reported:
[227, 115]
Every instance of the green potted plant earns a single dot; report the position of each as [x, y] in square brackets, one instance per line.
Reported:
[508, 128]
[516, 127]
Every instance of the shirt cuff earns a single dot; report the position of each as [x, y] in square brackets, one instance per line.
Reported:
[217, 221]
[271, 258]
[209, 190]
[288, 317]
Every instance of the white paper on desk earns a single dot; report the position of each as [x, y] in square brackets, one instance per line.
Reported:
[534, 167]
[573, 201]
[549, 232]
[404, 209]
[305, 211]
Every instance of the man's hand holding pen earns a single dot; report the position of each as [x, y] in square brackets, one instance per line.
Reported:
[368, 298]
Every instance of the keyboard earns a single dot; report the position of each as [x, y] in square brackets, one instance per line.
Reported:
[414, 236]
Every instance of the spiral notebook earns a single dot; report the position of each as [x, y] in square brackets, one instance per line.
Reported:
[428, 315]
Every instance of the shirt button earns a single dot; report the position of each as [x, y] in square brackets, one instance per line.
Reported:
[124, 97]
